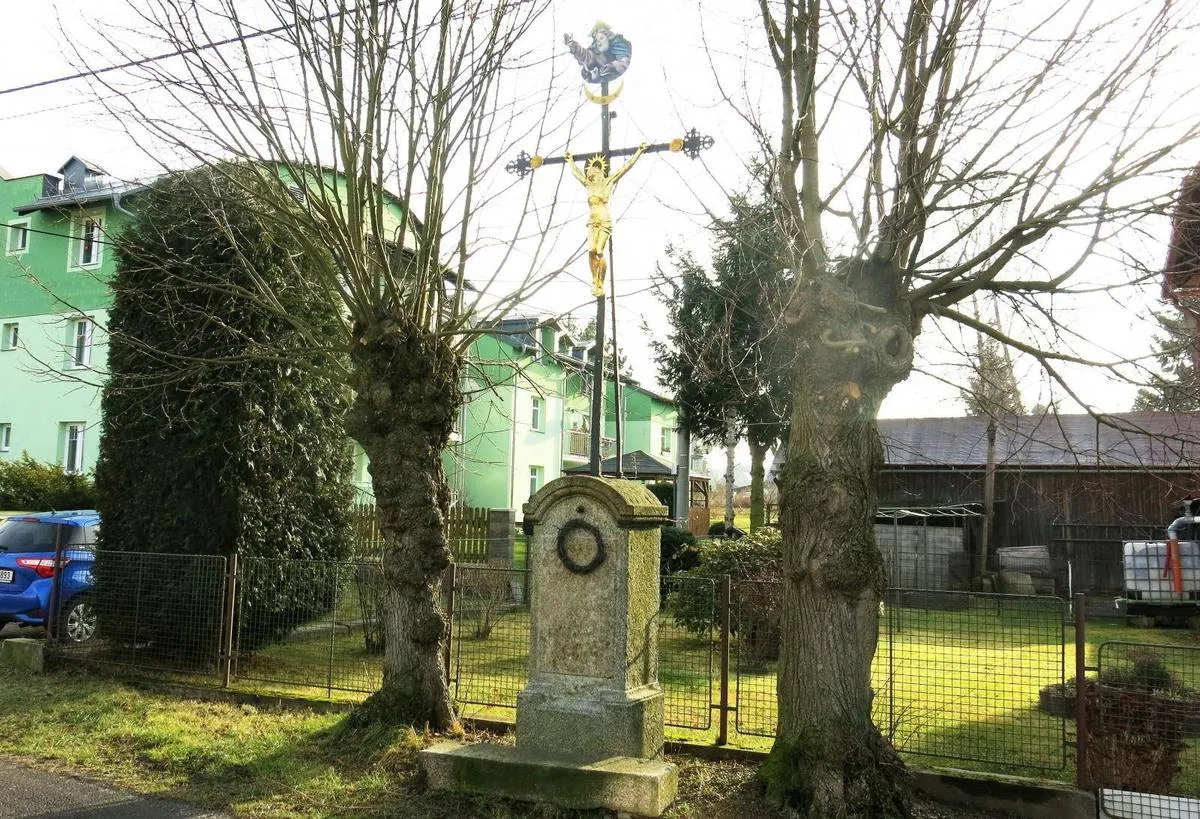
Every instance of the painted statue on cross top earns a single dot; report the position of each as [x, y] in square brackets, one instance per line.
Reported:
[606, 58]
[600, 186]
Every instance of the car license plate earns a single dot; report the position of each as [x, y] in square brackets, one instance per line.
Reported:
[6, 575]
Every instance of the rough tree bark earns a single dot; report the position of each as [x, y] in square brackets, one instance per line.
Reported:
[829, 760]
[406, 398]
[758, 457]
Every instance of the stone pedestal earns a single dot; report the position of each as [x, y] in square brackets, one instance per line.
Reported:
[592, 712]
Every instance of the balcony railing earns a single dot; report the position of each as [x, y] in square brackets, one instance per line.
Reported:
[577, 445]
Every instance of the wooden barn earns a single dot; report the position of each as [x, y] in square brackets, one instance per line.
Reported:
[1077, 484]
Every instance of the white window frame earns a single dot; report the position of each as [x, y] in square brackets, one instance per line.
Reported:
[537, 414]
[10, 335]
[79, 355]
[5, 436]
[536, 479]
[665, 434]
[73, 432]
[9, 250]
[78, 242]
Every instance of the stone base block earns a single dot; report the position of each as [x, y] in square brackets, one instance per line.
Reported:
[618, 723]
[638, 786]
[23, 652]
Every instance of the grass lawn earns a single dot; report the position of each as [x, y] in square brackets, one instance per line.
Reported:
[955, 688]
[963, 691]
[269, 763]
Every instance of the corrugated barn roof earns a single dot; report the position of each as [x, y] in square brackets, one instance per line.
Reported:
[1135, 440]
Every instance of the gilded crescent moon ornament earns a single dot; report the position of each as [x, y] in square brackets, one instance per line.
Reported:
[604, 99]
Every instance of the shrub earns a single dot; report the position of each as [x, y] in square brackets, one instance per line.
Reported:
[1133, 744]
[719, 529]
[754, 563]
[31, 486]
[665, 492]
[223, 418]
[677, 550]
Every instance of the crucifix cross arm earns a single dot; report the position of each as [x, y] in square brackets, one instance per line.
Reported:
[690, 145]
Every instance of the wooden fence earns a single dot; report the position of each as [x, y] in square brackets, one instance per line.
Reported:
[466, 531]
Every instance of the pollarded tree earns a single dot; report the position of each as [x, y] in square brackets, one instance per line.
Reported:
[224, 421]
[940, 145]
[339, 102]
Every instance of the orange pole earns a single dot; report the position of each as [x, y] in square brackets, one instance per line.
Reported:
[1176, 566]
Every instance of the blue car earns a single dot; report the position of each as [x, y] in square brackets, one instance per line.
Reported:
[27, 548]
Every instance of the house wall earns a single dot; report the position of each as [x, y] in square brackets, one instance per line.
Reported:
[41, 389]
[645, 416]
[488, 463]
[500, 445]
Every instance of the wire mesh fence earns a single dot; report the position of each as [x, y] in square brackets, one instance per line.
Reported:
[754, 627]
[152, 612]
[1142, 715]
[957, 675]
[311, 624]
[959, 678]
[490, 636]
[686, 649]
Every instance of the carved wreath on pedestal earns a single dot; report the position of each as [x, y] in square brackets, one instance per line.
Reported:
[565, 550]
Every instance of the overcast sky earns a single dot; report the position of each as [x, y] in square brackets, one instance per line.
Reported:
[670, 86]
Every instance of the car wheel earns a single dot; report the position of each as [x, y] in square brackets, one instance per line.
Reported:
[79, 621]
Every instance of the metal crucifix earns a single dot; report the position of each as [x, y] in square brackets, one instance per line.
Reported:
[606, 59]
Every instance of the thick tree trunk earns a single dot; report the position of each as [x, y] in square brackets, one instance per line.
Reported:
[406, 398]
[829, 760]
[758, 457]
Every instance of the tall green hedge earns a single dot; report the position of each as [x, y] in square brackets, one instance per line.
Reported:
[222, 420]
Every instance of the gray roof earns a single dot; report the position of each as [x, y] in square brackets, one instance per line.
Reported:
[86, 196]
[638, 465]
[1160, 440]
[92, 167]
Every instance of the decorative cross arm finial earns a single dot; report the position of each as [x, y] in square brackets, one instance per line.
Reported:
[690, 145]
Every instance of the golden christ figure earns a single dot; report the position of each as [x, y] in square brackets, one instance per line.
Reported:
[600, 187]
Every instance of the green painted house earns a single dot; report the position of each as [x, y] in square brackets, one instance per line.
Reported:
[57, 259]
[527, 410]
[528, 400]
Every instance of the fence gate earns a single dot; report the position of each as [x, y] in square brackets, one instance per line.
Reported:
[754, 623]
[686, 627]
[1143, 717]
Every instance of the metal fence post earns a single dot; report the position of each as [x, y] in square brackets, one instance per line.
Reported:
[1082, 777]
[452, 576]
[52, 616]
[724, 607]
[337, 587]
[231, 580]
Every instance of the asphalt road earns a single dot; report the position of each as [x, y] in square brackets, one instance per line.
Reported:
[26, 793]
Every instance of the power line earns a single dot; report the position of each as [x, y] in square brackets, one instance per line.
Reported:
[240, 38]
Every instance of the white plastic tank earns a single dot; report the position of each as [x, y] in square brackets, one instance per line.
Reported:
[1149, 576]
